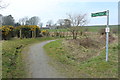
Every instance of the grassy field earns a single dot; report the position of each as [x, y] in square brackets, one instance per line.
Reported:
[89, 28]
[12, 62]
[85, 63]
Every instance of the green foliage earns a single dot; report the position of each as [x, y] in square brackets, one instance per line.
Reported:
[27, 31]
[12, 59]
[45, 32]
[7, 32]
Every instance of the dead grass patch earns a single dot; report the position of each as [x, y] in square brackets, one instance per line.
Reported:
[86, 47]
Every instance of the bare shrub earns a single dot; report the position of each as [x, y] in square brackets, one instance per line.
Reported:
[103, 38]
[102, 31]
[86, 42]
[115, 30]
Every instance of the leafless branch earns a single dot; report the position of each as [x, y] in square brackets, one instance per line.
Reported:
[3, 5]
[77, 20]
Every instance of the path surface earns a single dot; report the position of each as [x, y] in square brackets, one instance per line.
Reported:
[39, 66]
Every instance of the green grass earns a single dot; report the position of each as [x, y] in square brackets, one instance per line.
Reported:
[12, 60]
[95, 67]
[98, 67]
[0, 60]
[55, 30]
[55, 47]
[90, 28]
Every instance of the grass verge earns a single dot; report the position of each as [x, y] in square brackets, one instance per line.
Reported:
[0, 59]
[12, 64]
[95, 67]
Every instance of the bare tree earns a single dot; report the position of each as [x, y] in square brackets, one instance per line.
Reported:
[60, 22]
[29, 21]
[23, 21]
[77, 21]
[2, 4]
[34, 20]
[8, 20]
[64, 23]
[49, 23]
[67, 23]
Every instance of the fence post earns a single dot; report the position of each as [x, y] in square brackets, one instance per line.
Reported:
[20, 33]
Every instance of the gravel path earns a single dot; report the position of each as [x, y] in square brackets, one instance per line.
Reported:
[39, 66]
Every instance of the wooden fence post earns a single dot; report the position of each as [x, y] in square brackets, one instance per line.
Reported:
[20, 33]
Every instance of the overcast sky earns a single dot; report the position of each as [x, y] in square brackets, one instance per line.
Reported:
[57, 9]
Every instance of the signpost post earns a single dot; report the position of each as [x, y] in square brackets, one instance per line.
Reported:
[107, 35]
[107, 30]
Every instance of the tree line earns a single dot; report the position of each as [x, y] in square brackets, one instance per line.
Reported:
[73, 23]
[9, 20]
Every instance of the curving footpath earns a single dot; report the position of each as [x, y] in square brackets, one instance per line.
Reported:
[38, 63]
